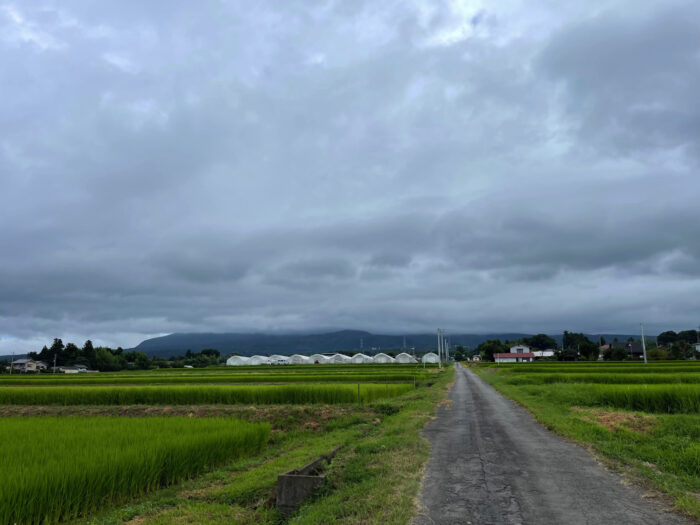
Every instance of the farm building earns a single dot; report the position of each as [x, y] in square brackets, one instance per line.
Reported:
[298, 359]
[340, 359]
[320, 359]
[383, 358]
[543, 353]
[520, 349]
[28, 365]
[430, 357]
[237, 360]
[405, 358]
[514, 357]
[259, 360]
[279, 359]
[361, 359]
[476, 358]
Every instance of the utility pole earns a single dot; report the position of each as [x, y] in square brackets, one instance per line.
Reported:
[644, 345]
[439, 341]
[54, 362]
[12, 363]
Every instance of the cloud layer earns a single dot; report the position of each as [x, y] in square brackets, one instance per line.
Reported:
[392, 167]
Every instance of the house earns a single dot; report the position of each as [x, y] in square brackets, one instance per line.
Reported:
[476, 358]
[28, 365]
[519, 349]
[514, 357]
[73, 369]
[539, 354]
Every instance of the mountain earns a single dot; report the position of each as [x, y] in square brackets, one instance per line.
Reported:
[344, 340]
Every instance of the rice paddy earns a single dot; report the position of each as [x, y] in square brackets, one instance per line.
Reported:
[58, 468]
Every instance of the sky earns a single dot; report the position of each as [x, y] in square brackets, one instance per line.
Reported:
[398, 166]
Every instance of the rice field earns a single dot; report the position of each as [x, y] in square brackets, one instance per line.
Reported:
[58, 468]
[198, 394]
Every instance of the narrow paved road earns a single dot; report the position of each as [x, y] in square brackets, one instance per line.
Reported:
[492, 463]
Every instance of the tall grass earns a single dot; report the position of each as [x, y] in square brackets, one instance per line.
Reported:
[605, 378]
[54, 469]
[671, 399]
[193, 394]
[251, 377]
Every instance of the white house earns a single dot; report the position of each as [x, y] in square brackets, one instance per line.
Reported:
[320, 359]
[28, 365]
[543, 353]
[298, 359]
[405, 358]
[430, 357]
[383, 358]
[520, 349]
[259, 360]
[238, 360]
[279, 359]
[514, 357]
[74, 369]
[476, 358]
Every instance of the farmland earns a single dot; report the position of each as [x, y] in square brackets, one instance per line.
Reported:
[105, 448]
[643, 420]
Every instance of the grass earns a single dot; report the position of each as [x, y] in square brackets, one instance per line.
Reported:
[76, 465]
[194, 394]
[651, 431]
[374, 478]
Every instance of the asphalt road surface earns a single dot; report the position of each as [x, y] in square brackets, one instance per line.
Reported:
[492, 463]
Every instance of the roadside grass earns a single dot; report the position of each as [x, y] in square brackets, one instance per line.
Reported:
[374, 477]
[656, 449]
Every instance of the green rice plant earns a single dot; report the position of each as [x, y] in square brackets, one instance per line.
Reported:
[671, 399]
[53, 469]
[636, 369]
[155, 379]
[605, 378]
[195, 394]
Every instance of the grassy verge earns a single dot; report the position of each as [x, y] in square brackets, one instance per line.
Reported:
[658, 450]
[374, 478]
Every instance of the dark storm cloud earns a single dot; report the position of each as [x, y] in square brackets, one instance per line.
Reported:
[389, 167]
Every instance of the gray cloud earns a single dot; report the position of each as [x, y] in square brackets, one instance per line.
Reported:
[390, 167]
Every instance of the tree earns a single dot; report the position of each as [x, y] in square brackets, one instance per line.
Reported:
[459, 353]
[616, 353]
[490, 347]
[667, 338]
[680, 350]
[540, 342]
[689, 336]
[88, 352]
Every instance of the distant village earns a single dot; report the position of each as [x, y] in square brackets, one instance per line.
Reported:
[70, 359]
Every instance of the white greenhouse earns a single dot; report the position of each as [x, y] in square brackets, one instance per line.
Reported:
[298, 359]
[320, 359]
[430, 357]
[405, 358]
[361, 359]
[238, 360]
[340, 359]
[259, 360]
[279, 359]
[383, 358]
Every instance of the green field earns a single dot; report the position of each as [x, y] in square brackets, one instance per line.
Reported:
[101, 450]
[58, 468]
[642, 419]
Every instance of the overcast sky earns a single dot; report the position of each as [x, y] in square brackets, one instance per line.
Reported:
[393, 166]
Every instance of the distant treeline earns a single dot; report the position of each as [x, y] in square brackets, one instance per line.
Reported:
[577, 346]
[107, 359]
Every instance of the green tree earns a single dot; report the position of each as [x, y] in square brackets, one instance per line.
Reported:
[540, 342]
[488, 348]
[88, 354]
[689, 336]
[667, 338]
